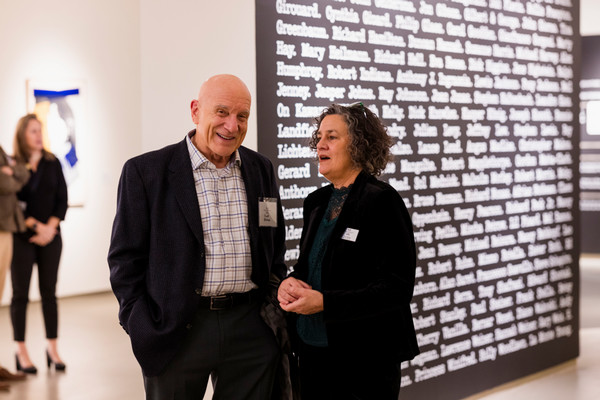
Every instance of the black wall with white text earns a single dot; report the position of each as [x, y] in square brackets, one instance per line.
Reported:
[482, 100]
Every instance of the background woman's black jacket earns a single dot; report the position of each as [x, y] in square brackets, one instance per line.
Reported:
[367, 284]
[45, 194]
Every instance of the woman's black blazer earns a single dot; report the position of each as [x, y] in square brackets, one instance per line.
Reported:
[367, 283]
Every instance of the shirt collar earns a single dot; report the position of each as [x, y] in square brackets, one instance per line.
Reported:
[199, 160]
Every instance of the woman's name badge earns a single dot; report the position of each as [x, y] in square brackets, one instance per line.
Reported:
[350, 234]
[267, 211]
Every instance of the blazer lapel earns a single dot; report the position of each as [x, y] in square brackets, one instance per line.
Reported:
[251, 185]
[314, 220]
[181, 179]
[344, 220]
[350, 206]
[254, 189]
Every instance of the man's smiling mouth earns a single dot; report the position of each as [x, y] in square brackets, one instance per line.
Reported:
[225, 137]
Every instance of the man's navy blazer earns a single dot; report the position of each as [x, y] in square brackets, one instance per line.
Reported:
[157, 256]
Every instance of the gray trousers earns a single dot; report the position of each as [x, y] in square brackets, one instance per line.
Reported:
[234, 347]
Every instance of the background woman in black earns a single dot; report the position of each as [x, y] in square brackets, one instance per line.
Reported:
[353, 283]
[45, 197]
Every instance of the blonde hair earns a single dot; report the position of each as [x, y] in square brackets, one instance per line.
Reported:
[20, 148]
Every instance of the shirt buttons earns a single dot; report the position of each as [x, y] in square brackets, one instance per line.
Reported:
[188, 326]
[198, 291]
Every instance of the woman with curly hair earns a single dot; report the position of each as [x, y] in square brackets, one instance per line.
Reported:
[351, 289]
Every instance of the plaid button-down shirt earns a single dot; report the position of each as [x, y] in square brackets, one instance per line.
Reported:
[224, 212]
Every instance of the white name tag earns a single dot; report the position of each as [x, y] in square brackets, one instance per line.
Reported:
[350, 234]
[267, 211]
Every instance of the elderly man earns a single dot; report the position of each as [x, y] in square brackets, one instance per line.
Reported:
[197, 236]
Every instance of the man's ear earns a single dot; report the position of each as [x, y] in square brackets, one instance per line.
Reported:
[195, 110]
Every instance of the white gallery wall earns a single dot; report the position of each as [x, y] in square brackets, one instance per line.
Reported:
[590, 13]
[142, 62]
[183, 42]
[97, 43]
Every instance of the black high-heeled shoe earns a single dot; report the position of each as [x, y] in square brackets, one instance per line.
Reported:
[57, 365]
[28, 370]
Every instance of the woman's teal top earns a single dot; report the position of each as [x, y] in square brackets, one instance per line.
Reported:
[311, 328]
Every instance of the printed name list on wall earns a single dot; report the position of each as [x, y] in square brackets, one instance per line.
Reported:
[481, 99]
[589, 161]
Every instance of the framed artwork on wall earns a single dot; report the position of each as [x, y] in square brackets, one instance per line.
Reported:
[59, 106]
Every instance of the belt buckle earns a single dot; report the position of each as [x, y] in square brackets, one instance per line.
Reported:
[212, 305]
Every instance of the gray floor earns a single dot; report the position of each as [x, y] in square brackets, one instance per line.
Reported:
[100, 365]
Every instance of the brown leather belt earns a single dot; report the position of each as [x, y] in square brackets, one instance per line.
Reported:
[229, 300]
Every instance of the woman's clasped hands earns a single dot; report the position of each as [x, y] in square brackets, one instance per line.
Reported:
[44, 234]
[299, 297]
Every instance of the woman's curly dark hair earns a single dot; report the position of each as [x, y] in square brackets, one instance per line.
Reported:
[370, 144]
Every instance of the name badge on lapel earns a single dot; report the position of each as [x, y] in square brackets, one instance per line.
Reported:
[267, 211]
[350, 235]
